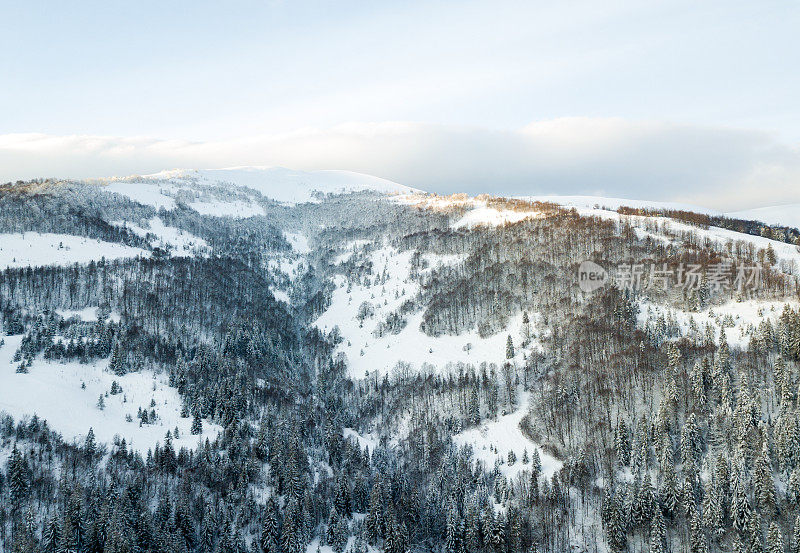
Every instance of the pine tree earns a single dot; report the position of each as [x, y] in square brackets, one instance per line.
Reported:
[18, 479]
[774, 539]
[622, 444]
[526, 329]
[658, 533]
[509, 348]
[741, 511]
[617, 526]
[452, 539]
[90, 445]
[474, 406]
[197, 424]
[697, 537]
[51, 536]
[472, 536]
[342, 497]
[337, 537]
[375, 519]
[764, 483]
[270, 530]
[796, 536]
[116, 364]
[669, 490]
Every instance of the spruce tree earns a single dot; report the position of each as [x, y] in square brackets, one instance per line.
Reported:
[774, 539]
[18, 479]
[270, 530]
[197, 424]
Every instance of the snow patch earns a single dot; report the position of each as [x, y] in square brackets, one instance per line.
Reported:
[87, 314]
[236, 209]
[492, 217]
[179, 242]
[142, 192]
[33, 249]
[53, 391]
[492, 440]
[365, 352]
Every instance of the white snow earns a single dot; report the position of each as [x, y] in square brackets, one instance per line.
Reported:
[52, 391]
[411, 346]
[786, 215]
[480, 211]
[87, 314]
[492, 217]
[145, 193]
[181, 243]
[601, 202]
[237, 209]
[288, 186]
[299, 242]
[368, 442]
[39, 249]
[281, 295]
[348, 250]
[492, 440]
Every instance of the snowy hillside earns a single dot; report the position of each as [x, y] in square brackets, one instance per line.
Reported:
[359, 311]
[32, 249]
[479, 211]
[66, 396]
[786, 215]
[387, 371]
[202, 187]
[601, 202]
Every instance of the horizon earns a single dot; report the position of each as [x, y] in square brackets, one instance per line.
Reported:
[667, 102]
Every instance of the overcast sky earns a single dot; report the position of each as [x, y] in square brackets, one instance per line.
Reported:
[689, 101]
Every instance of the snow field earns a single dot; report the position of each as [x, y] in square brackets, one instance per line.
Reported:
[53, 391]
[492, 441]
[180, 242]
[35, 249]
[367, 353]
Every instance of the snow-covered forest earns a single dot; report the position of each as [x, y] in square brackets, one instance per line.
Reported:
[272, 361]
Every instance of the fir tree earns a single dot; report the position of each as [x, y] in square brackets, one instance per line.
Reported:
[197, 424]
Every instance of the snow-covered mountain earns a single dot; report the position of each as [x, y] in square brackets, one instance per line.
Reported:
[787, 215]
[371, 364]
[274, 183]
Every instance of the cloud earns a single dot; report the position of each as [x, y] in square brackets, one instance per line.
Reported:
[718, 167]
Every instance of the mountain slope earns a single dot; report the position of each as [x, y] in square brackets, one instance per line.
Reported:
[411, 371]
[274, 183]
[787, 215]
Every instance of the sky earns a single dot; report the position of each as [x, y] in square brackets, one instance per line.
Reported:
[668, 100]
